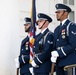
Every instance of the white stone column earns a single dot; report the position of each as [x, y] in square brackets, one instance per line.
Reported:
[9, 35]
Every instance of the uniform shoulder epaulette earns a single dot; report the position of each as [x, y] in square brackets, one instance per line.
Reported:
[73, 23]
[37, 34]
[24, 39]
[50, 33]
[57, 27]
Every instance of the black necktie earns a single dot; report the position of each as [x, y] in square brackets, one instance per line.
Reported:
[60, 27]
[60, 24]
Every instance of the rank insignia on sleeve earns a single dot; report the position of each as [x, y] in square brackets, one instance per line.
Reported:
[74, 33]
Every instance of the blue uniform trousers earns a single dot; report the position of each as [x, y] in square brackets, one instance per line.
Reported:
[60, 71]
[26, 74]
[41, 73]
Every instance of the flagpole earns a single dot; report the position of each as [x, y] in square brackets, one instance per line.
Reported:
[32, 32]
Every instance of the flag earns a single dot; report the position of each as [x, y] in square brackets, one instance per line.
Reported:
[32, 29]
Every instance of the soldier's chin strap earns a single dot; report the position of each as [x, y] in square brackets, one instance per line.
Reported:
[61, 15]
[43, 24]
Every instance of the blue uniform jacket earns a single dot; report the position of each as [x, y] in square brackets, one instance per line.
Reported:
[65, 43]
[42, 51]
[24, 56]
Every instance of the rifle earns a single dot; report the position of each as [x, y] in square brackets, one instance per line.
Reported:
[69, 66]
[17, 72]
[52, 68]
[69, 69]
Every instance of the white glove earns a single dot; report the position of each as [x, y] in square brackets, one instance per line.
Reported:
[17, 62]
[34, 64]
[55, 54]
[53, 59]
[31, 70]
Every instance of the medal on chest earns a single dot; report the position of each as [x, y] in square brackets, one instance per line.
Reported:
[26, 45]
[63, 33]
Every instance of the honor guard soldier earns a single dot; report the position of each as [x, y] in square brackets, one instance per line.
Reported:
[64, 53]
[43, 46]
[22, 61]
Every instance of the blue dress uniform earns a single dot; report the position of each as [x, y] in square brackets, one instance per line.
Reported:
[42, 51]
[65, 44]
[24, 54]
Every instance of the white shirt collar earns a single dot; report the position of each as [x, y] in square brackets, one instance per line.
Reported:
[64, 21]
[43, 30]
